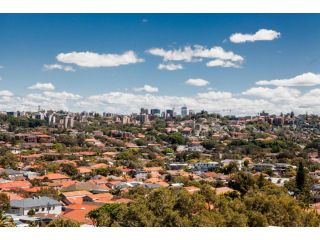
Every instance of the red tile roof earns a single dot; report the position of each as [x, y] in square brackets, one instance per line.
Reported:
[54, 176]
[15, 184]
[13, 196]
[78, 212]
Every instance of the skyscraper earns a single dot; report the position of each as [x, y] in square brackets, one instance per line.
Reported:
[184, 111]
[155, 112]
[169, 113]
[144, 111]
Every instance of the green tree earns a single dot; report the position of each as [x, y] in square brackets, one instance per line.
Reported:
[59, 147]
[9, 160]
[242, 182]
[176, 138]
[69, 169]
[108, 215]
[209, 144]
[63, 223]
[232, 167]
[31, 212]
[301, 177]
[4, 202]
[141, 142]
[5, 220]
[303, 185]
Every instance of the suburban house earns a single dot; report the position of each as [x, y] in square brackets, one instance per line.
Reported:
[74, 196]
[54, 177]
[12, 174]
[38, 204]
[205, 166]
[239, 163]
[9, 185]
[259, 167]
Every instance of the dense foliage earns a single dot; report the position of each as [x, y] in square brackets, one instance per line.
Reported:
[259, 204]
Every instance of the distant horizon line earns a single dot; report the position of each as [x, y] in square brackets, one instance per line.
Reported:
[164, 111]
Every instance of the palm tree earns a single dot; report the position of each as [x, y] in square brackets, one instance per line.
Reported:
[6, 221]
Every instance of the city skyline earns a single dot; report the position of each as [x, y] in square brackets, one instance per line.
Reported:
[118, 63]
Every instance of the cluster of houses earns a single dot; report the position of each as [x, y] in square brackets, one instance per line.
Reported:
[39, 193]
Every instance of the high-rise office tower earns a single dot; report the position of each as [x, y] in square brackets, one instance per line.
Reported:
[184, 111]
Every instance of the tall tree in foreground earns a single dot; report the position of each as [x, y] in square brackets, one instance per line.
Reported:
[303, 185]
[300, 177]
[269, 205]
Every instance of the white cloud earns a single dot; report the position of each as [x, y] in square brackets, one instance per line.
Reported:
[250, 102]
[48, 100]
[216, 52]
[274, 94]
[185, 54]
[6, 93]
[195, 54]
[59, 67]
[212, 102]
[213, 95]
[62, 95]
[198, 82]
[42, 86]
[310, 100]
[170, 66]
[147, 89]
[222, 63]
[261, 35]
[91, 59]
[305, 79]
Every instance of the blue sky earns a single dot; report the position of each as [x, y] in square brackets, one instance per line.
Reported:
[31, 43]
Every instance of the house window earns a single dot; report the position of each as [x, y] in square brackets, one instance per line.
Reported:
[42, 209]
[37, 209]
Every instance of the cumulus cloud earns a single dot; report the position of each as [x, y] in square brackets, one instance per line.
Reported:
[48, 100]
[250, 102]
[305, 79]
[42, 86]
[211, 101]
[6, 98]
[92, 60]
[222, 63]
[61, 95]
[6, 93]
[261, 35]
[170, 66]
[215, 95]
[197, 82]
[48, 67]
[310, 100]
[274, 94]
[147, 89]
[197, 53]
